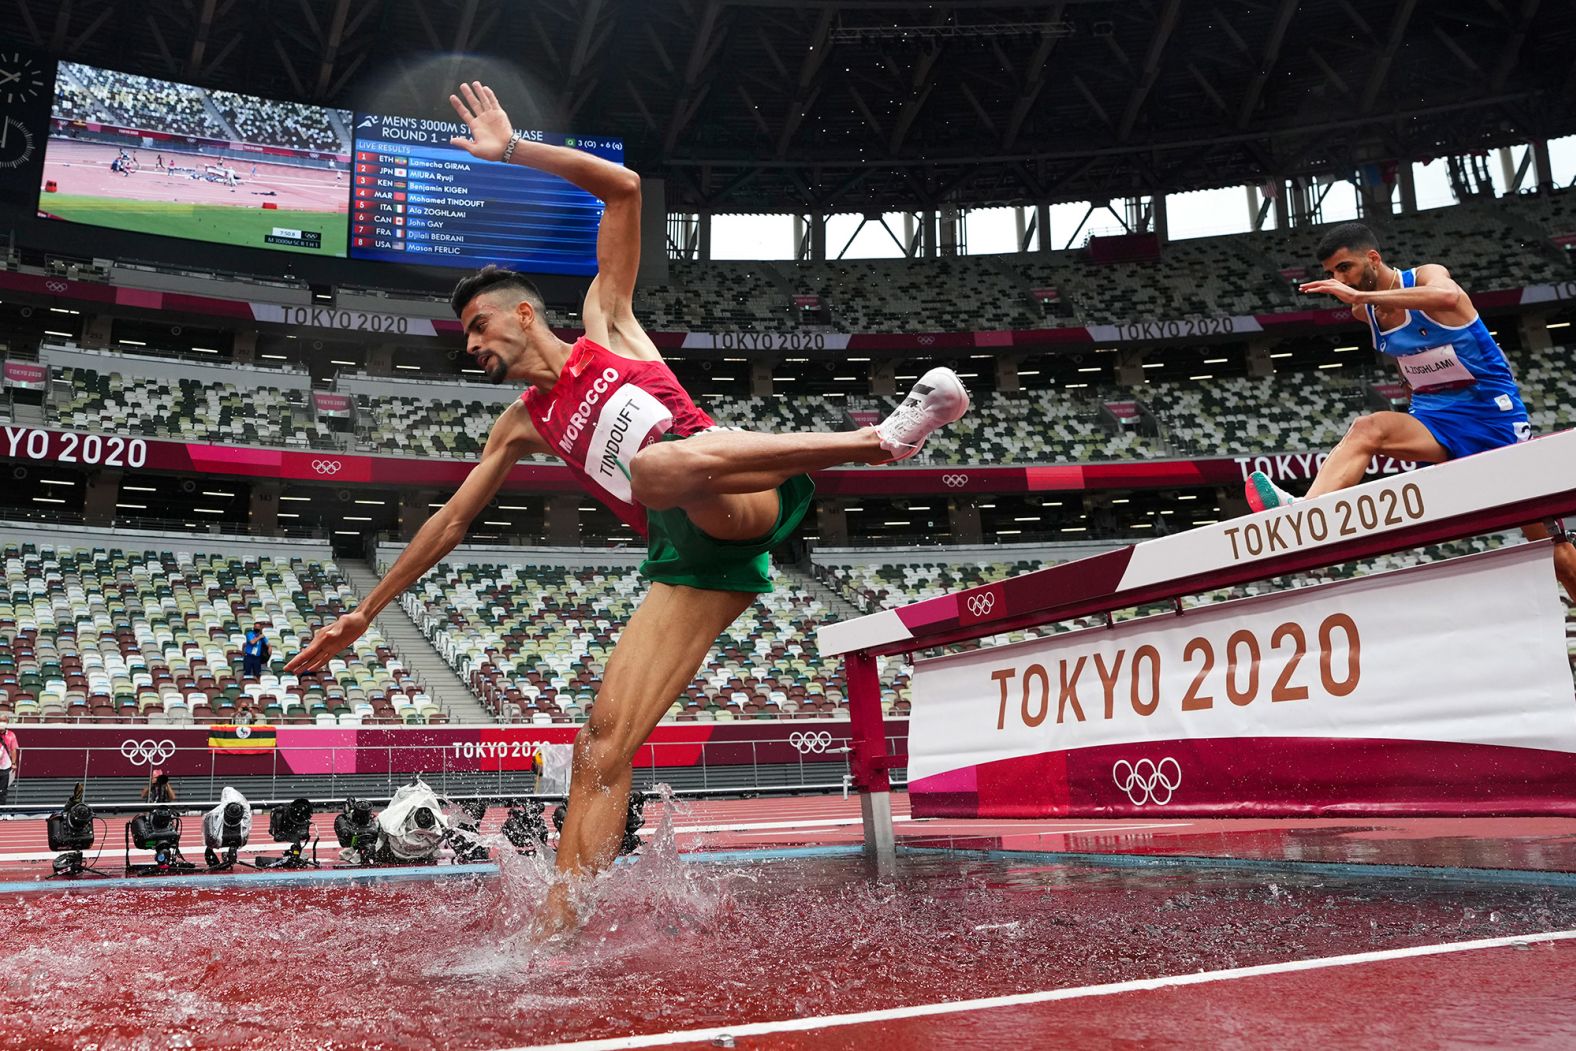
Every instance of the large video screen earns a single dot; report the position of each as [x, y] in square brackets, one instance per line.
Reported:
[158, 157]
[418, 199]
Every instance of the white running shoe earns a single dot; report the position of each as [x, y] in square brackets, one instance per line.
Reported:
[1264, 494]
[939, 398]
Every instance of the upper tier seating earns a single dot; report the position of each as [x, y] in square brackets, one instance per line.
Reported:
[420, 427]
[1486, 244]
[189, 410]
[956, 294]
[1477, 242]
[716, 297]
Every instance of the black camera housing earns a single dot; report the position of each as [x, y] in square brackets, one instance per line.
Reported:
[291, 822]
[156, 830]
[70, 827]
[355, 827]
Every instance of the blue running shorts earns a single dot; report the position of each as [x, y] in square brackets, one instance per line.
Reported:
[1470, 428]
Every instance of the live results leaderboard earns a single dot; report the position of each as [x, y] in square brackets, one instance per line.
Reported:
[416, 199]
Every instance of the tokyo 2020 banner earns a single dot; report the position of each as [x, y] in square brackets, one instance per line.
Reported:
[1444, 689]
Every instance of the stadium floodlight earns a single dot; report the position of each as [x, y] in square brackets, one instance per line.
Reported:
[226, 827]
[356, 828]
[70, 831]
[291, 823]
[158, 830]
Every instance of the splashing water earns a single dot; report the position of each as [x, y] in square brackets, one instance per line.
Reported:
[633, 906]
[668, 943]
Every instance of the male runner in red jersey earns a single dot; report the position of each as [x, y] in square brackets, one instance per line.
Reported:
[712, 504]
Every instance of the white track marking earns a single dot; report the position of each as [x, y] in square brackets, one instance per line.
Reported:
[750, 826]
[800, 1025]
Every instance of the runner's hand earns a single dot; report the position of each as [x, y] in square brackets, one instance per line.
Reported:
[490, 128]
[330, 640]
[1330, 287]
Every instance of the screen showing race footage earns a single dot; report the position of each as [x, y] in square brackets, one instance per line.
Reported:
[418, 199]
[157, 157]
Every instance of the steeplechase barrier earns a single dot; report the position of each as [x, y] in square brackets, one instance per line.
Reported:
[1439, 689]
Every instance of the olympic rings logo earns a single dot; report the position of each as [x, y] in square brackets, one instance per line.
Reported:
[954, 481]
[816, 741]
[57, 287]
[1147, 781]
[924, 341]
[326, 466]
[147, 753]
[979, 605]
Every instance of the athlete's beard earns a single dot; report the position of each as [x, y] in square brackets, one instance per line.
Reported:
[499, 370]
[1370, 281]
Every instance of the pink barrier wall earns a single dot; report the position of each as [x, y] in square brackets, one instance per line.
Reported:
[131, 751]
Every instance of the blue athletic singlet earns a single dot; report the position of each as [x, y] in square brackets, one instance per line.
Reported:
[1462, 386]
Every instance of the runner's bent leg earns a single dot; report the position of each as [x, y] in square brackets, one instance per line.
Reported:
[662, 647]
[1384, 434]
[676, 474]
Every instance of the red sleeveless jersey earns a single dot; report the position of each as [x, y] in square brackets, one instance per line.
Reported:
[602, 411]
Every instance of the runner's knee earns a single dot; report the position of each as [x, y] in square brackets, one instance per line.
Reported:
[599, 747]
[1367, 433]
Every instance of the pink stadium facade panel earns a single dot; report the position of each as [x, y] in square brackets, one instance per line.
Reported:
[131, 751]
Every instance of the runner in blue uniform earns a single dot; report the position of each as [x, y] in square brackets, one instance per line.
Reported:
[1464, 398]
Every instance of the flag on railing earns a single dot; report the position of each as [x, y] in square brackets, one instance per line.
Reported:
[243, 739]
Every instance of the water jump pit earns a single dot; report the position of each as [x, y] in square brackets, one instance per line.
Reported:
[759, 923]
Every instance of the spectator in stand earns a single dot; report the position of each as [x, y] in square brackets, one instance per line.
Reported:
[10, 756]
[244, 715]
[265, 652]
[252, 653]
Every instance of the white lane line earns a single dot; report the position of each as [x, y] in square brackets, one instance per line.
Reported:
[799, 1025]
[747, 826]
[902, 819]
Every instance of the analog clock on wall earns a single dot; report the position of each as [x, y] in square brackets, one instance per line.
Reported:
[21, 79]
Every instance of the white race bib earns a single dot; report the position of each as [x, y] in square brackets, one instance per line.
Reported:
[628, 416]
[1434, 369]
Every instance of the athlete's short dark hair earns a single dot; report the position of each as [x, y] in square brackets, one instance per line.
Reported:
[490, 278]
[1354, 236]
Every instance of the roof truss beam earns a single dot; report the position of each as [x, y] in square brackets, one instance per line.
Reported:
[1271, 53]
[1151, 71]
[1381, 70]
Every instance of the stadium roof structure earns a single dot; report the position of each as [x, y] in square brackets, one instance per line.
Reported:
[866, 105]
